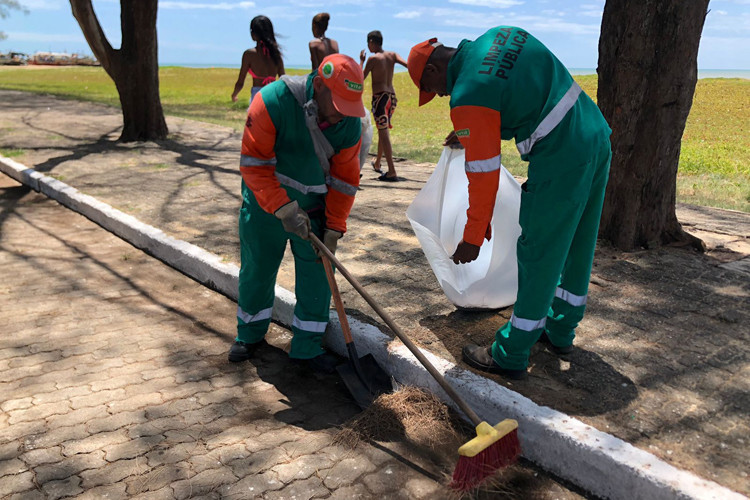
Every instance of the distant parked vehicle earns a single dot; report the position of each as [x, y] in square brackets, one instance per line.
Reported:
[80, 60]
[14, 58]
[62, 59]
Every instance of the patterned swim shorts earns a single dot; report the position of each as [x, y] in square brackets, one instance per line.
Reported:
[383, 106]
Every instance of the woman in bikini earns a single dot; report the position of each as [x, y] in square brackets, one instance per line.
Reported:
[263, 63]
[321, 46]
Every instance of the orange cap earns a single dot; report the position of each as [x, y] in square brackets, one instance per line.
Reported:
[418, 57]
[344, 77]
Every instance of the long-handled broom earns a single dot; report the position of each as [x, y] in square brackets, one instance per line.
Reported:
[493, 448]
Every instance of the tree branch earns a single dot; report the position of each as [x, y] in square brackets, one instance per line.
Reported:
[84, 13]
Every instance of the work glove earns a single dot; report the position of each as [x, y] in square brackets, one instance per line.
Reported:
[331, 238]
[294, 219]
[465, 252]
[451, 140]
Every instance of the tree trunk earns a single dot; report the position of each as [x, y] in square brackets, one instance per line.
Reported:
[647, 75]
[134, 67]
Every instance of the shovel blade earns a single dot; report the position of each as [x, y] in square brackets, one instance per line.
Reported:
[366, 380]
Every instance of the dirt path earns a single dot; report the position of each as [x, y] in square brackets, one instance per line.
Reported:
[662, 355]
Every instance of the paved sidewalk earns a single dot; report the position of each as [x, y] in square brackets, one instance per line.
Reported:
[115, 384]
[661, 358]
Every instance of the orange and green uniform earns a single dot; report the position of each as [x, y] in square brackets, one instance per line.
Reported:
[279, 165]
[506, 84]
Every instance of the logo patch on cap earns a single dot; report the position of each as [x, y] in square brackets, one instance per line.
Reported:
[357, 87]
[327, 70]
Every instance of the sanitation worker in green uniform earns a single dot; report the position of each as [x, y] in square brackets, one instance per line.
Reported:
[507, 84]
[288, 190]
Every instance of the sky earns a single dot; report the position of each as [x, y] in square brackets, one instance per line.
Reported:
[205, 32]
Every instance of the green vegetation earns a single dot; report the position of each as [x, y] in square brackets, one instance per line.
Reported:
[10, 153]
[156, 166]
[714, 164]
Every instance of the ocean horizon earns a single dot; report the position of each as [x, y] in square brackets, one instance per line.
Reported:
[702, 73]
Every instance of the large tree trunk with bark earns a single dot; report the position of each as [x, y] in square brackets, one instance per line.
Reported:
[134, 67]
[648, 70]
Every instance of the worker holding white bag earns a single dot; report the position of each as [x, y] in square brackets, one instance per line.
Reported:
[506, 84]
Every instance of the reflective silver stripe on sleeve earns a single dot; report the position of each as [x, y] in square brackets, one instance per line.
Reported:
[251, 161]
[488, 165]
[570, 298]
[250, 318]
[302, 188]
[341, 186]
[528, 325]
[550, 121]
[310, 326]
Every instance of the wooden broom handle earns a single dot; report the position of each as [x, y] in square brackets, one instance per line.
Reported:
[406, 340]
[337, 300]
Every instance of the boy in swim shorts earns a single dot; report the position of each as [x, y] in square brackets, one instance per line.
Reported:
[380, 66]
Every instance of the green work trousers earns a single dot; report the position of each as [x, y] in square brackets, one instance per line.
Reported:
[560, 210]
[262, 244]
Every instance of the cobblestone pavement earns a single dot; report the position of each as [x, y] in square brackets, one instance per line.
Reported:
[115, 384]
[661, 358]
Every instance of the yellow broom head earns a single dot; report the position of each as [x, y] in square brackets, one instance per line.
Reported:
[487, 435]
[493, 448]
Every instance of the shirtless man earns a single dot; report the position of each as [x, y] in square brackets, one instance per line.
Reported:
[381, 65]
[321, 46]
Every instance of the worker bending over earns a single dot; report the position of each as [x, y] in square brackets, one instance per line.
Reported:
[507, 84]
[287, 192]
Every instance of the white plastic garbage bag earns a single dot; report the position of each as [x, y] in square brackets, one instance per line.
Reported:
[438, 217]
[366, 140]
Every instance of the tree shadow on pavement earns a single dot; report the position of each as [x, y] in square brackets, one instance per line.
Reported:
[311, 401]
[582, 380]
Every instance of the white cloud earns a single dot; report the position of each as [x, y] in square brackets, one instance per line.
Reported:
[591, 10]
[535, 24]
[328, 4]
[280, 12]
[592, 13]
[410, 14]
[203, 6]
[503, 4]
[44, 4]
[23, 36]
[718, 24]
[347, 30]
[716, 52]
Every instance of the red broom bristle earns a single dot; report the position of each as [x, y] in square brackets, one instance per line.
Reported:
[471, 471]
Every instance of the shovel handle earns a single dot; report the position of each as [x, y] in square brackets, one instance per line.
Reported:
[328, 255]
[337, 299]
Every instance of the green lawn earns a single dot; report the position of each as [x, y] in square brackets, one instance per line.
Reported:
[714, 166]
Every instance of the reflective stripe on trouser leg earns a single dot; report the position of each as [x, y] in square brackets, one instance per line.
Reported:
[550, 211]
[515, 335]
[313, 299]
[262, 244]
[569, 304]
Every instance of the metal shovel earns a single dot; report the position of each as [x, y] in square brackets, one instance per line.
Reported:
[364, 378]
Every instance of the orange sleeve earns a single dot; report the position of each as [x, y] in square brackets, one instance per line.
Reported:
[258, 160]
[478, 129]
[343, 186]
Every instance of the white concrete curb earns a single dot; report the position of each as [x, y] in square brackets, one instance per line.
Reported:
[597, 462]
